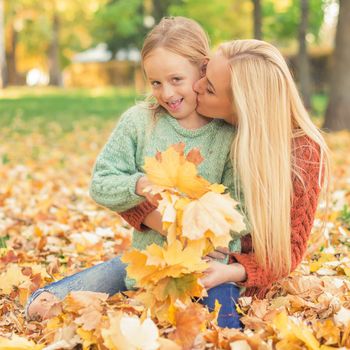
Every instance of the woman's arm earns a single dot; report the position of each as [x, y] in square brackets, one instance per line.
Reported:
[302, 215]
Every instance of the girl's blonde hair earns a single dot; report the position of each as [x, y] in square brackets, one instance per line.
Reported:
[270, 115]
[180, 35]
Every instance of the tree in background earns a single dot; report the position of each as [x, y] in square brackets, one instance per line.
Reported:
[338, 111]
[303, 58]
[222, 19]
[43, 34]
[257, 19]
[12, 24]
[3, 68]
[282, 19]
[119, 23]
[54, 48]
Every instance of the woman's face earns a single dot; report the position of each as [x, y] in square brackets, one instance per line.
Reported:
[214, 91]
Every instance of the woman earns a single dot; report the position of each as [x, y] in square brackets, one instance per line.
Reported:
[276, 153]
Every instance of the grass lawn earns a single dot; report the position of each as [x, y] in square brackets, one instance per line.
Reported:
[20, 108]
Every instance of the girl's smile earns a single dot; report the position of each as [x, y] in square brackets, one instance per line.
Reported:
[172, 77]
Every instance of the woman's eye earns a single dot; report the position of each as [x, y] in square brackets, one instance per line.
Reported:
[176, 79]
[210, 92]
[155, 83]
[203, 70]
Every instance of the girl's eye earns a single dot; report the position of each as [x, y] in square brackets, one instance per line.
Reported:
[209, 91]
[155, 83]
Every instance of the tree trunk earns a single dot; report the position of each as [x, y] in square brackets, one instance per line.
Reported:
[257, 19]
[3, 68]
[11, 57]
[338, 111]
[303, 59]
[54, 54]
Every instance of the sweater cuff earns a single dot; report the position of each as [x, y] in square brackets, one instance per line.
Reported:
[135, 216]
[250, 268]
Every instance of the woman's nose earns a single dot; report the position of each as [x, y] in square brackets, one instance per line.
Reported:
[198, 86]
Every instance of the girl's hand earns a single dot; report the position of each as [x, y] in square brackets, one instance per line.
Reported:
[141, 184]
[219, 253]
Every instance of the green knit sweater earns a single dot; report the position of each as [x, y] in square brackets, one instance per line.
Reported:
[138, 135]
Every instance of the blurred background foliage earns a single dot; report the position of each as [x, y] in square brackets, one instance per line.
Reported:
[96, 43]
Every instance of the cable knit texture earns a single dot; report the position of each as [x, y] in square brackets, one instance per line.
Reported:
[304, 205]
[136, 215]
[139, 135]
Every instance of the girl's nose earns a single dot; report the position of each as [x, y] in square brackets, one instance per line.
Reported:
[167, 92]
[198, 86]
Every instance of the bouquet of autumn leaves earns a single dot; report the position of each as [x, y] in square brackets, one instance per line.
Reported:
[198, 217]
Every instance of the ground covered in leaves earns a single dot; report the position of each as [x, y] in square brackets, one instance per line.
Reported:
[50, 228]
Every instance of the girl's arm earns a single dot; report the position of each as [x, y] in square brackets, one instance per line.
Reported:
[302, 215]
[115, 173]
[142, 216]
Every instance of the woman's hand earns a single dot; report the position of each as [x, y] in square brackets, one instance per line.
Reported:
[219, 273]
[141, 184]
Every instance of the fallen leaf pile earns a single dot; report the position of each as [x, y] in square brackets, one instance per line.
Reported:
[50, 228]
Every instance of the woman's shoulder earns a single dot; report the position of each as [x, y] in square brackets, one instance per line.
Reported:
[304, 148]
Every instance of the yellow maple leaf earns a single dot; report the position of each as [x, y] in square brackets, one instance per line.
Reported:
[189, 322]
[291, 331]
[12, 277]
[77, 301]
[140, 335]
[172, 170]
[212, 212]
[18, 343]
[129, 333]
[88, 338]
[112, 336]
[182, 288]
[137, 268]
[329, 331]
[156, 263]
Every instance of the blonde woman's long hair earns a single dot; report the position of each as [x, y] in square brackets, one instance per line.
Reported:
[270, 114]
[180, 35]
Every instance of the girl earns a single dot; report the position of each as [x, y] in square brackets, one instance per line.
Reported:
[173, 55]
[279, 156]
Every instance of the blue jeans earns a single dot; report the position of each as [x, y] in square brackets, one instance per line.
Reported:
[227, 295]
[108, 277]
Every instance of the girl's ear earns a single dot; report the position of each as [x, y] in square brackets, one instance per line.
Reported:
[203, 67]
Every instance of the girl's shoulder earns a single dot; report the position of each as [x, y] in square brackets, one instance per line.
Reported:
[225, 128]
[136, 115]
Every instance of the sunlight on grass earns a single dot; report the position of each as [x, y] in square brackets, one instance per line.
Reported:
[66, 107]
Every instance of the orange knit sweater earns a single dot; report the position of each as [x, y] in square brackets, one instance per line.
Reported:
[304, 204]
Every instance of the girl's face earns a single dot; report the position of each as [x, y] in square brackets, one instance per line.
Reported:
[172, 77]
[214, 91]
